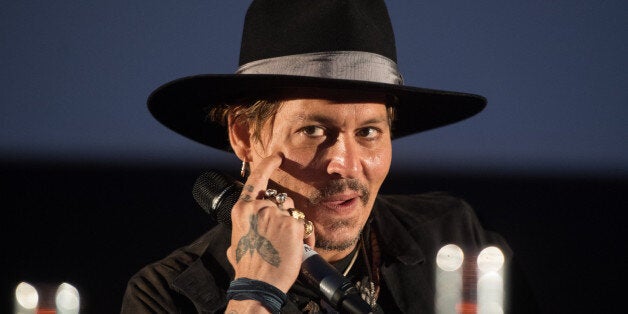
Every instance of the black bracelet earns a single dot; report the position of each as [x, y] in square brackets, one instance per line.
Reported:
[249, 289]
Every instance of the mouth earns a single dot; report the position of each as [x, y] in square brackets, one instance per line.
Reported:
[342, 204]
[340, 198]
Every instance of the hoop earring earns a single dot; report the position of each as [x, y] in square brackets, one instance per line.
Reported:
[245, 169]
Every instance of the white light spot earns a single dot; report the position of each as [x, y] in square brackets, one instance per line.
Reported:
[449, 283]
[449, 257]
[26, 296]
[448, 290]
[491, 308]
[490, 259]
[67, 299]
[490, 293]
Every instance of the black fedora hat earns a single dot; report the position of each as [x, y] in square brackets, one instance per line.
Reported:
[330, 44]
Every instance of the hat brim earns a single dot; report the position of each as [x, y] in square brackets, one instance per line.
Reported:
[183, 105]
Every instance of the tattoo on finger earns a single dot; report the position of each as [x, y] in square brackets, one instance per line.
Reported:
[246, 198]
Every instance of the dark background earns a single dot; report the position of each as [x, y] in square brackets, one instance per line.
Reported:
[76, 75]
[94, 225]
[94, 188]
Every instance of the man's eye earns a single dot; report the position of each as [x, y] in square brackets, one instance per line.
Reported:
[313, 131]
[368, 133]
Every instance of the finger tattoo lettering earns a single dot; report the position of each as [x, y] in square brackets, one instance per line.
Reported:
[253, 242]
[246, 198]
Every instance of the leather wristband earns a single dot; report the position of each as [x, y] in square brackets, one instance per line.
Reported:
[249, 289]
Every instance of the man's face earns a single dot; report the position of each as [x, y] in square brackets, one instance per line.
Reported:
[337, 154]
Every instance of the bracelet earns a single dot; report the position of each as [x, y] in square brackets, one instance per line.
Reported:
[249, 289]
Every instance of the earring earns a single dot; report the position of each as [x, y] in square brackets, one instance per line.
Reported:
[245, 170]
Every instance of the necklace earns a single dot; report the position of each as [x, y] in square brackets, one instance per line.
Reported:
[368, 286]
[355, 257]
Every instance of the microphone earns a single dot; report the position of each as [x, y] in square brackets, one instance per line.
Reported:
[217, 192]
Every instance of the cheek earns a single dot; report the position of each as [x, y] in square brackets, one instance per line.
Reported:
[376, 162]
[299, 156]
[295, 170]
[277, 141]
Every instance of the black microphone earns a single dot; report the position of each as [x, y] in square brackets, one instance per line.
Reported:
[216, 193]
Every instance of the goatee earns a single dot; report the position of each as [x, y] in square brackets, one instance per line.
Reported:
[331, 188]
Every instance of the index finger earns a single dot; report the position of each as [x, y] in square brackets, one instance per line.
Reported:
[258, 178]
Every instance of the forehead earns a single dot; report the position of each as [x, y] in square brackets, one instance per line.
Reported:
[331, 109]
[335, 103]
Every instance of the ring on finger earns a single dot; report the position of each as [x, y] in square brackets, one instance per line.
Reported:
[296, 214]
[309, 228]
[270, 193]
[280, 198]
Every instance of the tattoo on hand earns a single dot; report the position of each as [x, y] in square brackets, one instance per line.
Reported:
[253, 241]
[246, 197]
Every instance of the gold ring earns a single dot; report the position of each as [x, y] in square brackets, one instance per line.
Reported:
[309, 228]
[296, 214]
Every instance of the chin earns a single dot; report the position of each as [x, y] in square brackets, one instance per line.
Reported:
[337, 239]
[326, 245]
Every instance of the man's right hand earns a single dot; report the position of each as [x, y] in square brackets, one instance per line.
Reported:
[266, 242]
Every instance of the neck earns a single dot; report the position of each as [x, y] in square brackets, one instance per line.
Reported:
[335, 255]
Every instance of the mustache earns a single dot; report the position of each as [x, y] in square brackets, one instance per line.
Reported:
[338, 186]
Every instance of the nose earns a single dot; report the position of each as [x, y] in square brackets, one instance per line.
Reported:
[344, 158]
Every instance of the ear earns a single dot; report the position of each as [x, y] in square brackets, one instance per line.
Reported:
[240, 138]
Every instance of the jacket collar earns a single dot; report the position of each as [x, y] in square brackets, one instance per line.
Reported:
[403, 262]
[395, 239]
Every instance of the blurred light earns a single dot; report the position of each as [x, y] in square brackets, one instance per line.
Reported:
[448, 291]
[490, 293]
[67, 299]
[26, 296]
[448, 278]
[491, 282]
[491, 308]
[449, 257]
[466, 308]
[490, 259]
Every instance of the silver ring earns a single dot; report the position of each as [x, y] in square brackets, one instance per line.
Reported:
[280, 198]
[270, 193]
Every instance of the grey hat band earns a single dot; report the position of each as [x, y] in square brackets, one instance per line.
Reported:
[346, 65]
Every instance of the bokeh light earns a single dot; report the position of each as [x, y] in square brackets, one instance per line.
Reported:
[449, 257]
[449, 281]
[26, 296]
[490, 259]
[67, 299]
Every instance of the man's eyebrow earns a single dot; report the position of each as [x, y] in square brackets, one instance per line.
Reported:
[328, 120]
[375, 121]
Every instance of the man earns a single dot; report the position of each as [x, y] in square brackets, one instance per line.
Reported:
[311, 113]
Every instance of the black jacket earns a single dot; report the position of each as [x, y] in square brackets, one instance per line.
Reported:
[411, 230]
